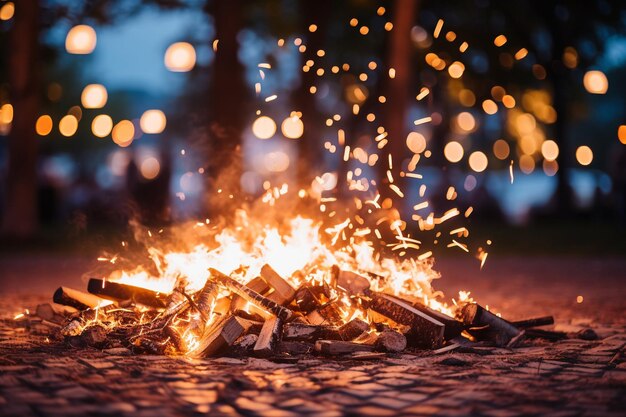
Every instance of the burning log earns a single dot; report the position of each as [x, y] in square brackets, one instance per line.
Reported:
[351, 283]
[240, 304]
[353, 329]
[218, 337]
[53, 312]
[340, 347]
[453, 328]
[489, 326]
[117, 291]
[269, 337]
[309, 332]
[536, 322]
[78, 299]
[424, 331]
[391, 341]
[329, 313]
[252, 296]
[309, 298]
[283, 291]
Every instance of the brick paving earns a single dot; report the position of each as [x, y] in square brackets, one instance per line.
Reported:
[573, 377]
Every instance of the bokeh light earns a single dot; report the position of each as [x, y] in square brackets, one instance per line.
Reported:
[416, 142]
[466, 121]
[621, 134]
[526, 164]
[478, 161]
[550, 168]
[43, 126]
[153, 121]
[490, 107]
[595, 82]
[292, 127]
[94, 96]
[276, 161]
[453, 151]
[81, 39]
[456, 69]
[264, 127]
[6, 114]
[550, 150]
[68, 125]
[501, 149]
[180, 57]
[584, 155]
[102, 125]
[150, 168]
[123, 133]
[7, 10]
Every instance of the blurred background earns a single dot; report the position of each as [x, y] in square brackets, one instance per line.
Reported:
[115, 109]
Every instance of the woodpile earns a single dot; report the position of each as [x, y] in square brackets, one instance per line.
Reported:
[268, 317]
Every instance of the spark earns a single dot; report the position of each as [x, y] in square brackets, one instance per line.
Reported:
[271, 98]
[421, 205]
[346, 153]
[423, 120]
[460, 245]
[422, 94]
[215, 42]
[396, 190]
[438, 28]
[483, 259]
[511, 171]
[413, 175]
[424, 256]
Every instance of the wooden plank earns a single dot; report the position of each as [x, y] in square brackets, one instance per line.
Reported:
[340, 347]
[117, 291]
[353, 329]
[257, 285]
[220, 336]
[534, 322]
[328, 314]
[488, 326]
[252, 296]
[78, 299]
[453, 327]
[310, 332]
[270, 336]
[283, 293]
[425, 331]
[391, 341]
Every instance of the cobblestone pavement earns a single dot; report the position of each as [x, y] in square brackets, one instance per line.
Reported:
[572, 377]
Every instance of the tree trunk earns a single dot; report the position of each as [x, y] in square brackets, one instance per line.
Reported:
[400, 58]
[20, 216]
[228, 94]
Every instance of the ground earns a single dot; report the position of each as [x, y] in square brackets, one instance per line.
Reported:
[573, 377]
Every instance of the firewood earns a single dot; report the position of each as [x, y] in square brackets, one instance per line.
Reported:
[294, 347]
[252, 296]
[309, 332]
[535, 322]
[118, 291]
[489, 326]
[350, 282]
[94, 336]
[424, 331]
[283, 291]
[453, 327]
[329, 313]
[391, 341]
[353, 329]
[309, 298]
[53, 312]
[257, 285]
[219, 336]
[269, 337]
[340, 347]
[78, 299]
[247, 341]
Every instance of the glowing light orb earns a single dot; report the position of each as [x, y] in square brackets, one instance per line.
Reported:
[595, 82]
[150, 168]
[584, 155]
[7, 11]
[180, 57]
[123, 133]
[94, 96]
[550, 150]
[153, 121]
[453, 151]
[478, 161]
[43, 126]
[264, 127]
[276, 161]
[102, 125]
[68, 125]
[501, 149]
[81, 40]
[621, 134]
[416, 142]
[292, 127]
[466, 121]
